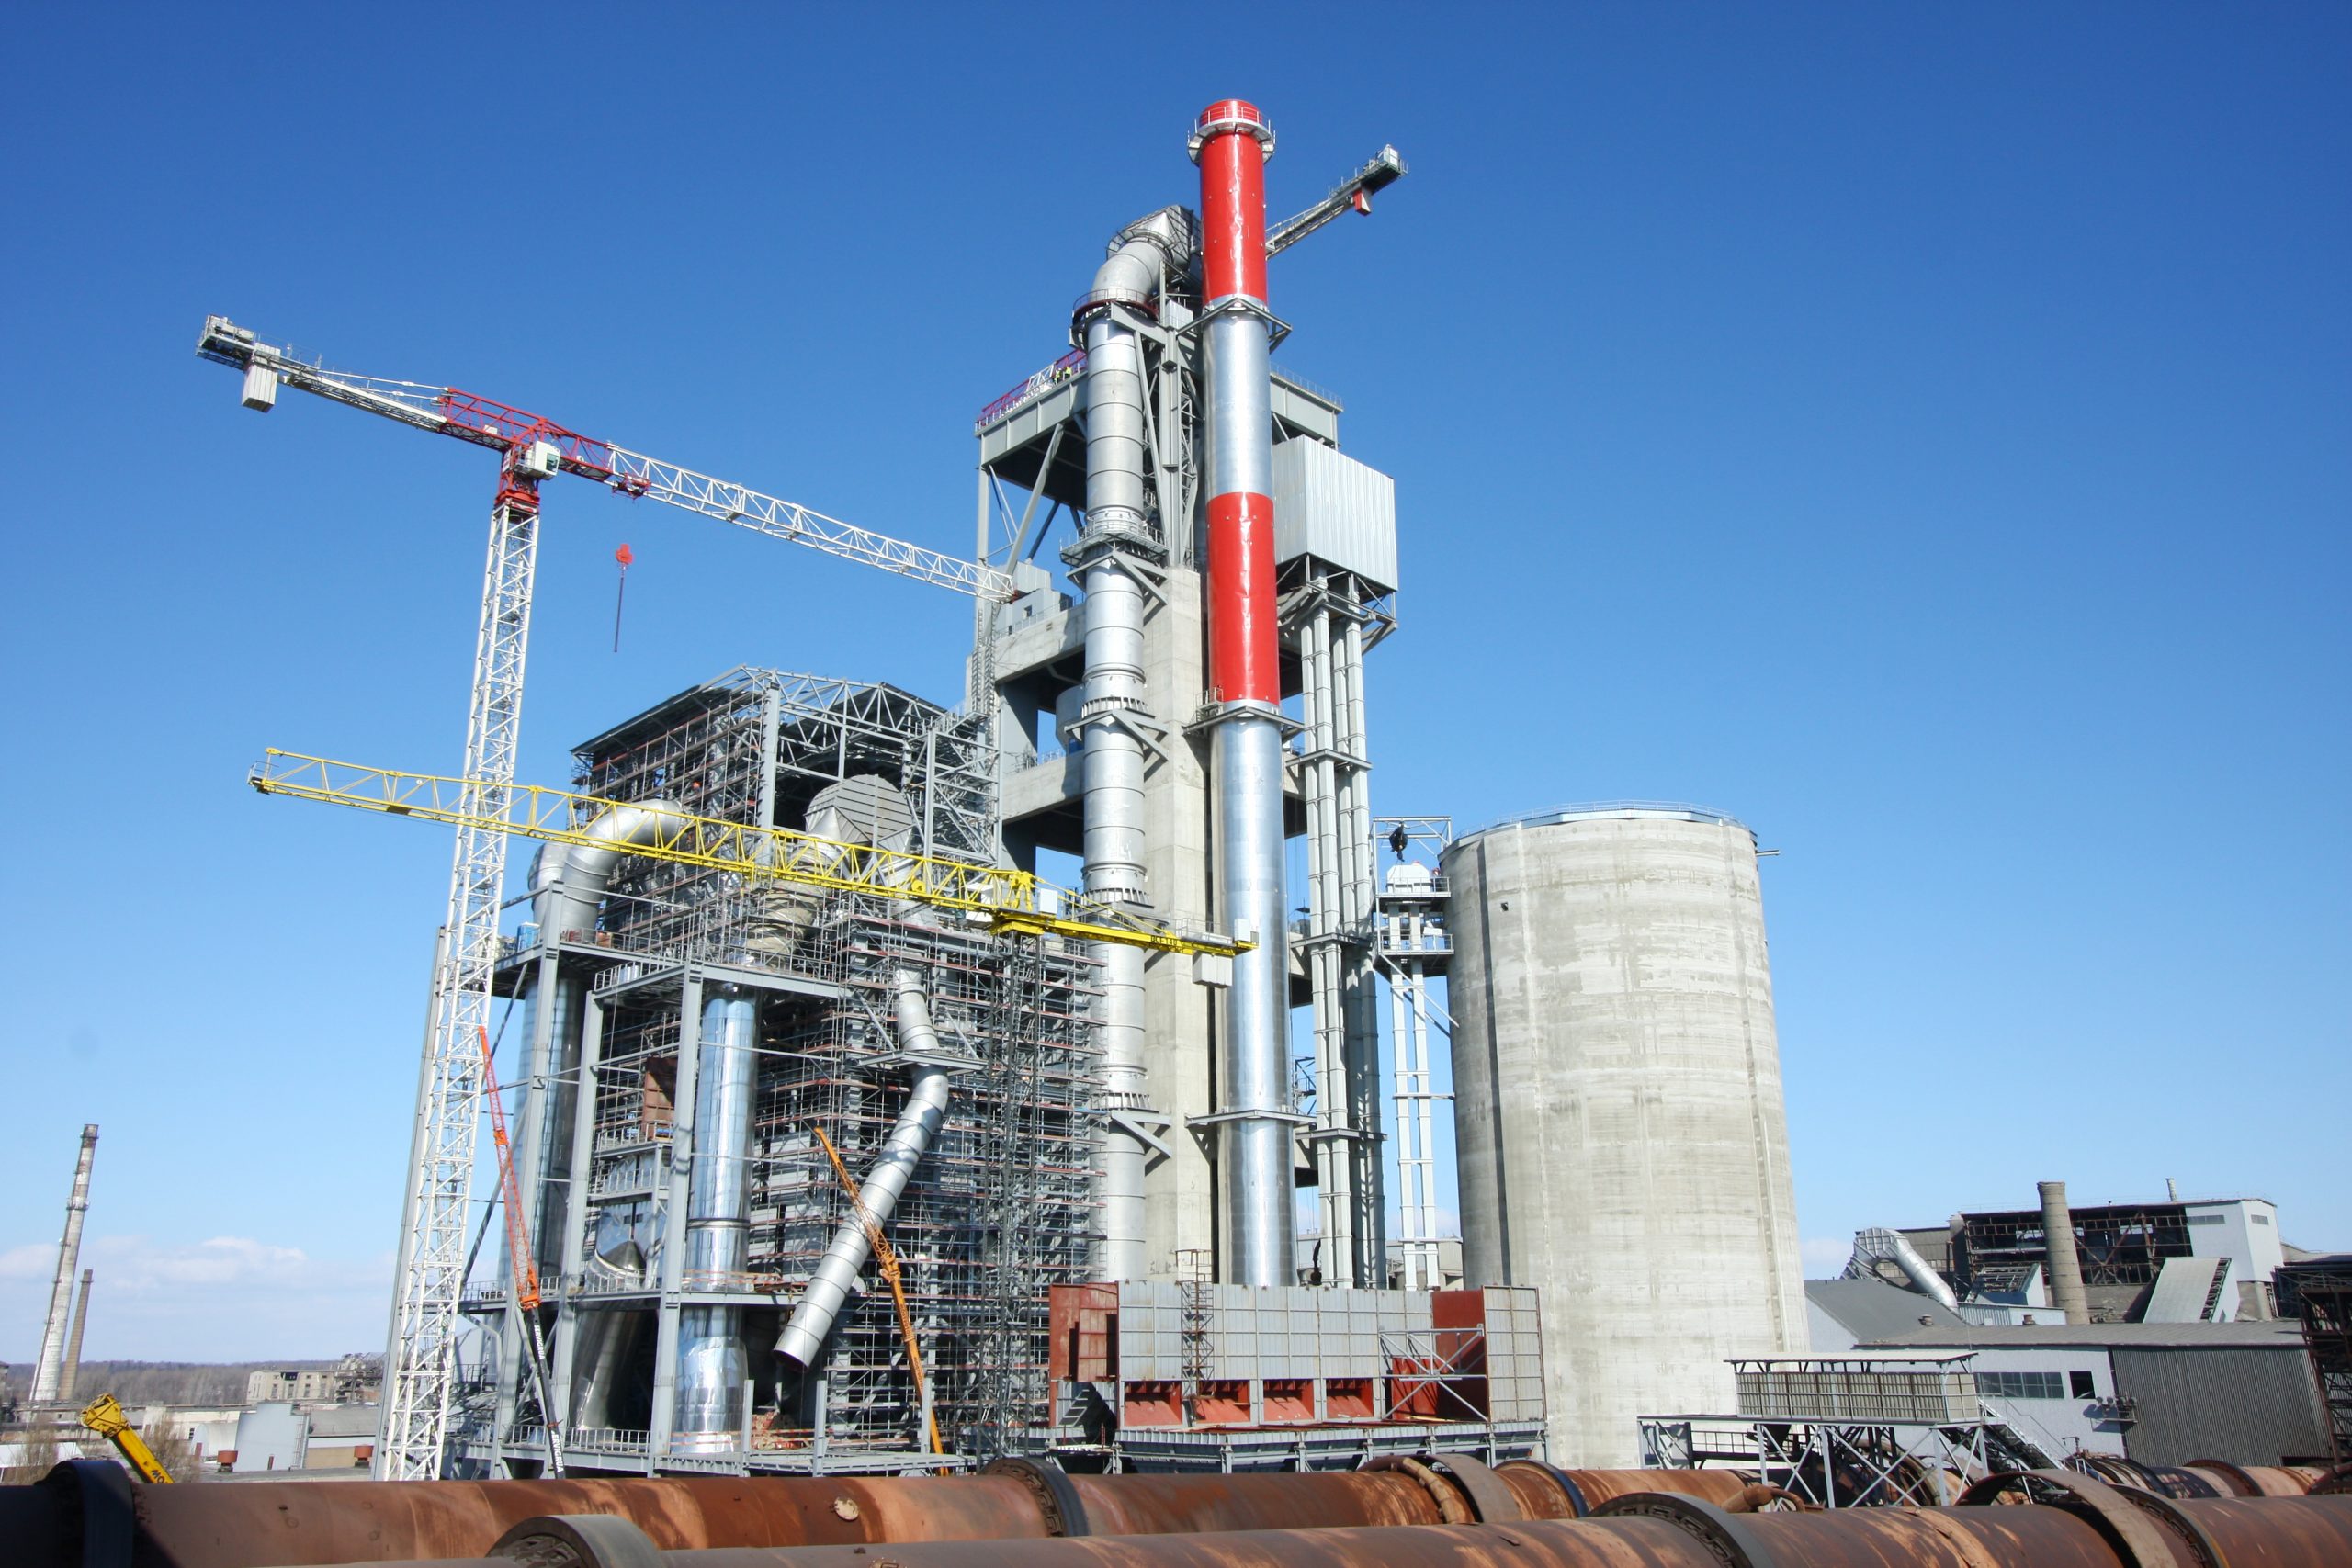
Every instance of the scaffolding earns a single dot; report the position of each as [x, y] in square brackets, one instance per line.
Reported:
[1000, 1208]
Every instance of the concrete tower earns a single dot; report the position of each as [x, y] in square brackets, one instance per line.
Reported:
[1618, 1113]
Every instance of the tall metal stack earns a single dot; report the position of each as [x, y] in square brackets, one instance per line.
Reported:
[1619, 1128]
[49, 1369]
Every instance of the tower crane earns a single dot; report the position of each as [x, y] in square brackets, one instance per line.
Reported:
[419, 1362]
[1005, 899]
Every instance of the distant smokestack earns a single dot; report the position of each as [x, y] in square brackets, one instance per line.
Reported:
[2066, 1291]
[61, 1294]
[71, 1373]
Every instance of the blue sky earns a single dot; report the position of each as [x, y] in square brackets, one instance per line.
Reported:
[1921, 431]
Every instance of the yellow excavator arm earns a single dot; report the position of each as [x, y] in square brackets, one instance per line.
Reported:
[104, 1415]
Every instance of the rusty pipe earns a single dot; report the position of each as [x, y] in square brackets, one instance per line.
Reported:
[275, 1524]
[2257, 1480]
[1547, 1492]
[1684, 1533]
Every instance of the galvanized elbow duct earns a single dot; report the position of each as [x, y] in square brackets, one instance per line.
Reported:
[1879, 1242]
[1112, 755]
[568, 884]
[829, 1286]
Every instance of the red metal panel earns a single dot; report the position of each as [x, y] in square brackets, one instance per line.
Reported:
[1244, 649]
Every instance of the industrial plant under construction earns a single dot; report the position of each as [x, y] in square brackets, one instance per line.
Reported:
[835, 1142]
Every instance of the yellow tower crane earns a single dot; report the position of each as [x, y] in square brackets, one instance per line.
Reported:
[998, 896]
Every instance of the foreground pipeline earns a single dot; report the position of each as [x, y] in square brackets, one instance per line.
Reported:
[1438, 1511]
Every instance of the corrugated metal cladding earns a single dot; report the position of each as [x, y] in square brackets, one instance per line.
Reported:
[1329, 506]
[2246, 1407]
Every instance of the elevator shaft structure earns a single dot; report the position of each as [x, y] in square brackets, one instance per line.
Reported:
[1231, 143]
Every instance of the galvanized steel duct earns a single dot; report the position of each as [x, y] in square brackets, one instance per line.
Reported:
[1879, 1242]
[1231, 143]
[829, 1286]
[1111, 757]
[712, 1374]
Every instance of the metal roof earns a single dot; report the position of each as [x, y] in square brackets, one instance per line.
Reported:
[1873, 1310]
[2261, 1334]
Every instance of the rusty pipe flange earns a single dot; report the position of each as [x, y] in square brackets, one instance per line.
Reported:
[2135, 1537]
[1560, 1480]
[2235, 1482]
[2336, 1482]
[2195, 1543]
[1725, 1540]
[1057, 1500]
[1453, 1505]
[93, 1500]
[1490, 1498]
[579, 1540]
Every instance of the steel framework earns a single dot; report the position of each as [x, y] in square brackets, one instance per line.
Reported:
[1000, 1208]
[419, 1390]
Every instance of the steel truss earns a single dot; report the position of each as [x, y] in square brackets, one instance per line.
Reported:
[430, 1274]
[1000, 1210]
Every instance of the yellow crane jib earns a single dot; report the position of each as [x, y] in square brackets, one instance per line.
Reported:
[104, 1415]
[1007, 899]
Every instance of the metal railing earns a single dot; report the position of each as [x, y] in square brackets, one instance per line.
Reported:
[1066, 368]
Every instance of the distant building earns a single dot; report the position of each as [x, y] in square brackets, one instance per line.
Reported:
[273, 1435]
[2125, 1248]
[2180, 1261]
[2156, 1392]
[346, 1383]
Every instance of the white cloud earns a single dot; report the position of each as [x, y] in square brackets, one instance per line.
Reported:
[221, 1298]
[34, 1261]
[1825, 1255]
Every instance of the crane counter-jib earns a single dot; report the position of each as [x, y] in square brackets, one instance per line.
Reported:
[1009, 899]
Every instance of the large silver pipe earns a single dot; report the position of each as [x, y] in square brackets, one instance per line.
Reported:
[2066, 1291]
[48, 1370]
[1111, 758]
[803, 1338]
[1258, 1242]
[568, 882]
[712, 1374]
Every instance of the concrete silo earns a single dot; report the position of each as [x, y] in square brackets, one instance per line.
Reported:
[1619, 1122]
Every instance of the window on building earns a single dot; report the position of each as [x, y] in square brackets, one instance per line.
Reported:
[2259, 1219]
[2021, 1385]
[2080, 1386]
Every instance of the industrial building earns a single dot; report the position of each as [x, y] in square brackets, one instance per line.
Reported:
[844, 1142]
[2180, 1260]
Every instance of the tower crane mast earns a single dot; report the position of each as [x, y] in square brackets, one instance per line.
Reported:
[420, 1360]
